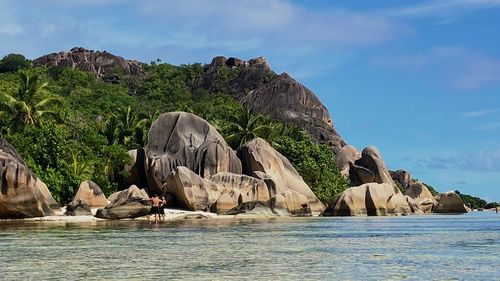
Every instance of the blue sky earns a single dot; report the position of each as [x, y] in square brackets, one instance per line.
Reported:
[418, 79]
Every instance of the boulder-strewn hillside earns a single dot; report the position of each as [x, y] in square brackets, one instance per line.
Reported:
[99, 63]
[254, 84]
[279, 96]
[253, 144]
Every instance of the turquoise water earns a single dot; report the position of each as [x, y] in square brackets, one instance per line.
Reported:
[465, 247]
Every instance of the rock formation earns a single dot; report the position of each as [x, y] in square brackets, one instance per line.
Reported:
[402, 177]
[372, 199]
[449, 203]
[130, 203]
[260, 160]
[91, 194]
[184, 139]
[22, 194]
[279, 96]
[191, 191]
[421, 195]
[346, 157]
[99, 63]
[78, 208]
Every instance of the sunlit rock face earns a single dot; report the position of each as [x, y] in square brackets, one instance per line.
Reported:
[184, 139]
[279, 96]
[22, 194]
[102, 64]
[371, 199]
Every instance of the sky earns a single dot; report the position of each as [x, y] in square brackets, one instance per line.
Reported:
[420, 80]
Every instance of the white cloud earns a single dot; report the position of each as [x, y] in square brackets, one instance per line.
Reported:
[439, 8]
[459, 68]
[480, 113]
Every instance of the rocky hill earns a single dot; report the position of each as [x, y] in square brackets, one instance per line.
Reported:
[255, 85]
[102, 64]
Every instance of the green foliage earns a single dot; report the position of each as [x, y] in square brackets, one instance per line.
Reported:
[244, 127]
[471, 201]
[44, 149]
[31, 105]
[13, 63]
[431, 189]
[315, 163]
[400, 187]
[492, 205]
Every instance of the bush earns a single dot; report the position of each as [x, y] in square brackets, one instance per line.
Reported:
[13, 63]
[316, 164]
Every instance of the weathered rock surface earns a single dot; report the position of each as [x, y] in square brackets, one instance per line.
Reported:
[372, 161]
[99, 63]
[260, 160]
[259, 209]
[372, 199]
[130, 203]
[137, 170]
[191, 191]
[449, 203]
[346, 157]
[421, 195]
[279, 96]
[91, 194]
[78, 208]
[250, 188]
[22, 194]
[184, 139]
[401, 176]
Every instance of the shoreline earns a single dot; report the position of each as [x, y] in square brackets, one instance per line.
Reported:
[178, 215]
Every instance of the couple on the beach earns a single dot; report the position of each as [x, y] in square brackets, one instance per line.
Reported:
[158, 208]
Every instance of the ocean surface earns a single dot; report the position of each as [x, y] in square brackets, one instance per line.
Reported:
[432, 247]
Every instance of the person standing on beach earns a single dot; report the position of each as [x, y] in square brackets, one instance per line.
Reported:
[155, 209]
[162, 206]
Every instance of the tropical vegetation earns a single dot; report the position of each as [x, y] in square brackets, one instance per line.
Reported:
[70, 126]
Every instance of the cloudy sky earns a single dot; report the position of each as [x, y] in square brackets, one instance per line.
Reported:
[418, 79]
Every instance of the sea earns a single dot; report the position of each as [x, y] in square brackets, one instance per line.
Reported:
[429, 247]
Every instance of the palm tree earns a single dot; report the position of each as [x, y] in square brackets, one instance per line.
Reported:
[245, 127]
[28, 107]
[80, 167]
[111, 130]
[130, 123]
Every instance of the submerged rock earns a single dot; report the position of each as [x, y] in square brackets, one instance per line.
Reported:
[22, 193]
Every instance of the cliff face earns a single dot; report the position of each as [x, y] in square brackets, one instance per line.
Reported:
[279, 96]
[102, 64]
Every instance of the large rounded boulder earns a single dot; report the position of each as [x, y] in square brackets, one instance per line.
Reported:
[184, 139]
[91, 194]
[129, 203]
[449, 203]
[191, 191]
[346, 157]
[371, 161]
[371, 199]
[22, 194]
[260, 160]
